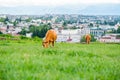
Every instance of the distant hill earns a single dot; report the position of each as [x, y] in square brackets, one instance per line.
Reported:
[102, 9]
[98, 9]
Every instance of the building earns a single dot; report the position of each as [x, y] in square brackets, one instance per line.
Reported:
[97, 32]
[29, 35]
[71, 35]
[110, 38]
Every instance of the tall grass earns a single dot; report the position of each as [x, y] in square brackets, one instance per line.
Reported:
[28, 60]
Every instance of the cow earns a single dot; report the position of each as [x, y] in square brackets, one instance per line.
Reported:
[50, 38]
[88, 38]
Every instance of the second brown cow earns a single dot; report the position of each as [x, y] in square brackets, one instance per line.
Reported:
[88, 38]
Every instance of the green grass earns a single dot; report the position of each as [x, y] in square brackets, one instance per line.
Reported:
[28, 60]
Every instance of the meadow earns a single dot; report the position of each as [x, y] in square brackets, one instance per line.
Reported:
[28, 60]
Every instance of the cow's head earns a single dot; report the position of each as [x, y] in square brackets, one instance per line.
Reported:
[45, 44]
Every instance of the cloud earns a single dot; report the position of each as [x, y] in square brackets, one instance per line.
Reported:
[52, 2]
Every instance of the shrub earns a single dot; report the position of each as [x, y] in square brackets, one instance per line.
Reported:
[1, 32]
[23, 37]
[36, 39]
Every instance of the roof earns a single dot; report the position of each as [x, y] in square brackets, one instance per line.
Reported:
[69, 31]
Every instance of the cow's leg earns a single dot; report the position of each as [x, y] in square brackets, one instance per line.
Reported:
[88, 41]
[53, 43]
[49, 42]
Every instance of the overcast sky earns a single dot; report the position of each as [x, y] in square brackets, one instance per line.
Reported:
[52, 2]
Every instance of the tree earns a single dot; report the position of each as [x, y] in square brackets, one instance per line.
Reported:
[118, 30]
[82, 39]
[32, 28]
[15, 23]
[74, 27]
[105, 23]
[6, 20]
[39, 31]
[49, 24]
[1, 32]
[23, 32]
[28, 20]
[92, 38]
[97, 26]
[90, 25]
[2, 19]
[64, 24]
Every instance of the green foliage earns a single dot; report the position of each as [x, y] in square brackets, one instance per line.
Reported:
[92, 38]
[23, 37]
[28, 20]
[15, 23]
[90, 25]
[1, 32]
[66, 61]
[112, 31]
[64, 24]
[118, 30]
[2, 19]
[74, 27]
[23, 32]
[6, 35]
[6, 20]
[37, 39]
[39, 31]
[83, 39]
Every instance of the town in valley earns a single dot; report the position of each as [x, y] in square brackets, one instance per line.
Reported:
[69, 27]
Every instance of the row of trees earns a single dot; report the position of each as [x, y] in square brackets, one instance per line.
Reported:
[38, 31]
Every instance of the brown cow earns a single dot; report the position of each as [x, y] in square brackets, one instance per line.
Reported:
[50, 38]
[88, 38]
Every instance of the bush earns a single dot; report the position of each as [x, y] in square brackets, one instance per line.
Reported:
[83, 39]
[37, 39]
[23, 37]
[6, 35]
[1, 32]
[92, 38]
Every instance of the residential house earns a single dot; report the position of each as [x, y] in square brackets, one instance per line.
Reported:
[3, 30]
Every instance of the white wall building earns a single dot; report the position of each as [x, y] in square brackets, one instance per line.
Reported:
[71, 35]
[97, 32]
[110, 38]
[29, 35]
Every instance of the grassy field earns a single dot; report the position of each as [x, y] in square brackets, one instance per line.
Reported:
[28, 60]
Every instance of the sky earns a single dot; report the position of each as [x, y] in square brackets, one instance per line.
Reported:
[13, 3]
[36, 7]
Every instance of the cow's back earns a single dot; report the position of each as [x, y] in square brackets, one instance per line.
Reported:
[51, 35]
[88, 37]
